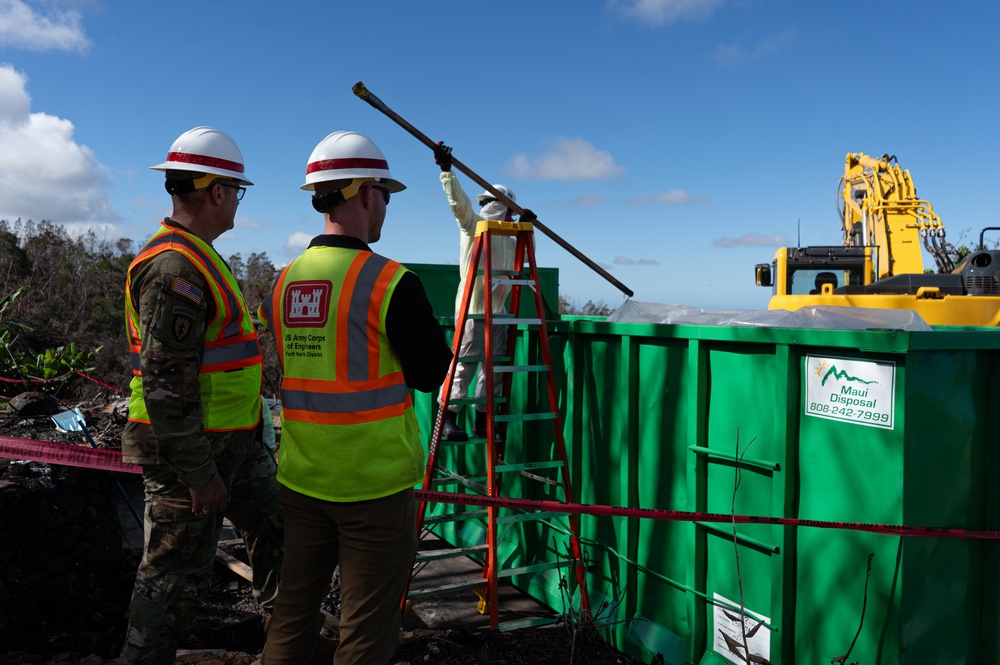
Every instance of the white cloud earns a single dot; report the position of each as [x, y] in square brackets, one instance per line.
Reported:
[297, 242]
[567, 159]
[103, 232]
[588, 200]
[24, 27]
[733, 55]
[656, 13]
[753, 240]
[44, 173]
[671, 197]
[247, 223]
[628, 261]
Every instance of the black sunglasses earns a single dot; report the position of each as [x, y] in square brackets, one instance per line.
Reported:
[385, 192]
[486, 202]
[239, 194]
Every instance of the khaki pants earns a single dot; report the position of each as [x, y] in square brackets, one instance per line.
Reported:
[374, 543]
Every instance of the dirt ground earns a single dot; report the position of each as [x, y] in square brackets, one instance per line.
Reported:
[229, 628]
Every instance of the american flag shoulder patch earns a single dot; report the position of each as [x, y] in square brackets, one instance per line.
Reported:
[184, 288]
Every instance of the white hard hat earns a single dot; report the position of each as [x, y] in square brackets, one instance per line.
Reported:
[348, 155]
[503, 189]
[206, 150]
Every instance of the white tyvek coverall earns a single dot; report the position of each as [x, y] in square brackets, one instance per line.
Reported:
[503, 250]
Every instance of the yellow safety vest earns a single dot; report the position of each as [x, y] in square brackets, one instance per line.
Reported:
[230, 400]
[348, 428]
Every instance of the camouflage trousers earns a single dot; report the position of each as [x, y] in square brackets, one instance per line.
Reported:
[176, 568]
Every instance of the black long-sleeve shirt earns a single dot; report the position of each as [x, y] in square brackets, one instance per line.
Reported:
[410, 324]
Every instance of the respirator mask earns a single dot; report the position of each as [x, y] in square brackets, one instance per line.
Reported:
[494, 211]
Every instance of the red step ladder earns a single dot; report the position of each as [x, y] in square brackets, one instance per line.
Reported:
[551, 474]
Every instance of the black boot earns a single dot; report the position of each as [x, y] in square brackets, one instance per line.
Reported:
[451, 431]
[480, 427]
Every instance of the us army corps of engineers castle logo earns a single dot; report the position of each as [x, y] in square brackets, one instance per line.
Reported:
[307, 304]
[861, 392]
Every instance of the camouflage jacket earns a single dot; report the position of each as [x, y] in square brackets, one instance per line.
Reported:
[172, 329]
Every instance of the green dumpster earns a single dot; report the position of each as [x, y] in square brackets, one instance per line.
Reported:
[874, 427]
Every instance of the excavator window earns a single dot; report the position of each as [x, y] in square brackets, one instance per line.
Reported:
[821, 280]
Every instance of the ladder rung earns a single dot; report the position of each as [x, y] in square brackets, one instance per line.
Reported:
[533, 622]
[503, 467]
[444, 589]
[479, 359]
[500, 369]
[520, 417]
[467, 481]
[452, 444]
[476, 400]
[434, 555]
[523, 281]
[454, 517]
[516, 321]
[527, 517]
[536, 567]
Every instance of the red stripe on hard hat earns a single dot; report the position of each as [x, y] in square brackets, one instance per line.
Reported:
[202, 160]
[347, 163]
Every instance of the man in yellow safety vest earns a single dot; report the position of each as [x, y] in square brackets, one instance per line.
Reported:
[354, 332]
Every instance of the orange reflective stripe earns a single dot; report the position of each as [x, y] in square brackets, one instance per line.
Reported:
[374, 315]
[227, 308]
[275, 315]
[348, 417]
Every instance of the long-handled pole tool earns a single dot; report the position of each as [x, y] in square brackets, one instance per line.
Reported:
[361, 91]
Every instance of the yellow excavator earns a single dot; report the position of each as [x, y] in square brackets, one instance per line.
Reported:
[879, 262]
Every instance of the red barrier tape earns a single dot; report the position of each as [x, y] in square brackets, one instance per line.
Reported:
[54, 378]
[64, 453]
[61, 377]
[96, 458]
[101, 383]
[682, 516]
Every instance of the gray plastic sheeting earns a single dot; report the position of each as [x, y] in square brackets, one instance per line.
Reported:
[833, 318]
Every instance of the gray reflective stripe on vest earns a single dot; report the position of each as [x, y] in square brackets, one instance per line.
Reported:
[364, 400]
[230, 352]
[234, 328]
[217, 355]
[357, 333]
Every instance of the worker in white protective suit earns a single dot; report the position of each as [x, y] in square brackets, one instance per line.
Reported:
[503, 250]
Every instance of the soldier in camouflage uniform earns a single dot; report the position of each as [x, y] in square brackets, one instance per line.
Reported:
[195, 412]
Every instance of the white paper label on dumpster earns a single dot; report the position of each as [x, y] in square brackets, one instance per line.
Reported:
[727, 629]
[854, 391]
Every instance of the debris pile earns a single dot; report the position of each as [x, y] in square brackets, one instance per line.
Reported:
[64, 579]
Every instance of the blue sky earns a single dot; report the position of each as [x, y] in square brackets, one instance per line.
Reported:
[677, 143]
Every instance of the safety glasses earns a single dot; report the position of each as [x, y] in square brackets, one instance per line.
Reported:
[385, 192]
[240, 190]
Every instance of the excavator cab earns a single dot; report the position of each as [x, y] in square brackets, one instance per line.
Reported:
[815, 270]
